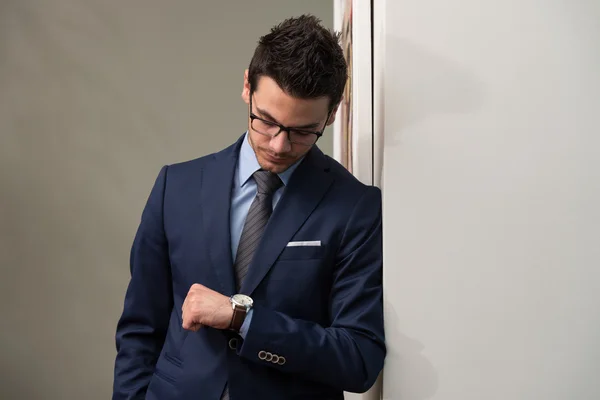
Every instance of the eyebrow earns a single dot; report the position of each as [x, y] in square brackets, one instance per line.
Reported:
[269, 116]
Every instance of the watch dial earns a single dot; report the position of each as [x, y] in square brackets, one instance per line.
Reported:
[242, 300]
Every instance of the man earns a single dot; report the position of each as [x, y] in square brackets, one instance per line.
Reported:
[256, 271]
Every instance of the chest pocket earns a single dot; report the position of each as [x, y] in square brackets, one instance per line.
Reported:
[303, 253]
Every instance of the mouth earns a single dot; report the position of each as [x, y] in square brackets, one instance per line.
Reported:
[275, 159]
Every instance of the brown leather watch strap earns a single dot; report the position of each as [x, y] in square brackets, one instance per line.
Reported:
[239, 315]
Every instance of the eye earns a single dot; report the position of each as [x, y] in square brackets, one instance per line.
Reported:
[302, 133]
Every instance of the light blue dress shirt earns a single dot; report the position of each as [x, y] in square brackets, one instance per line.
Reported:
[244, 191]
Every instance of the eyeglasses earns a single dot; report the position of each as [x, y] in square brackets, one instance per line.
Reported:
[272, 129]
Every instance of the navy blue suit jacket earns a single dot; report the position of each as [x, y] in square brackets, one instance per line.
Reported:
[319, 308]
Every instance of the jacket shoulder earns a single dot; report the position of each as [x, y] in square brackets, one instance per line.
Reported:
[198, 164]
[345, 181]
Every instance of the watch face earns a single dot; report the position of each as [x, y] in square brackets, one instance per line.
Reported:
[242, 300]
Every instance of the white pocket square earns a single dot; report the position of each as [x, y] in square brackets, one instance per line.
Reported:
[309, 243]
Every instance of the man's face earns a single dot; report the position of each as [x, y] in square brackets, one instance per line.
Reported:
[271, 103]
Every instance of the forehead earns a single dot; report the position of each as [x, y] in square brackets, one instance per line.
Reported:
[286, 109]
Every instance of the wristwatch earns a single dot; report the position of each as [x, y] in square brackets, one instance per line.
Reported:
[241, 305]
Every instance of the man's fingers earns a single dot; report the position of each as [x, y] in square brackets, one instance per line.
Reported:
[191, 326]
[188, 317]
[187, 323]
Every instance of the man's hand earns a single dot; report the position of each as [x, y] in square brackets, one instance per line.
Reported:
[203, 306]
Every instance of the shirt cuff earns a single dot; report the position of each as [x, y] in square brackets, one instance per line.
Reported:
[246, 324]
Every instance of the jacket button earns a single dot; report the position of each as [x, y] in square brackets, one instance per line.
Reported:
[262, 354]
[269, 357]
[233, 342]
[275, 359]
[281, 360]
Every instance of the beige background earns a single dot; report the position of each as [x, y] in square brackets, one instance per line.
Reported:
[95, 96]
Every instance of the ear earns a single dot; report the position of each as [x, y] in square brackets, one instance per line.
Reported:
[333, 115]
[246, 89]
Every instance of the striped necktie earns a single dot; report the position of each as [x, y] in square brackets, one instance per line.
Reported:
[256, 221]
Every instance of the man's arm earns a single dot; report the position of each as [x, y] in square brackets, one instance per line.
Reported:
[349, 354]
[143, 325]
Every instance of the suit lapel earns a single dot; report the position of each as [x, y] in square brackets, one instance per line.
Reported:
[306, 188]
[217, 179]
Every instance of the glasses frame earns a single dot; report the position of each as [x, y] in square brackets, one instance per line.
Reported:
[287, 129]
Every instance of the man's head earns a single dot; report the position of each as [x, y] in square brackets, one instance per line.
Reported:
[295, 80]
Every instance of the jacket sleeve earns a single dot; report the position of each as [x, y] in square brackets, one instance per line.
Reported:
[142, 328]
[348, 354]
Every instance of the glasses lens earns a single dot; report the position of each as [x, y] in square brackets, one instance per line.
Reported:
[303, 137]
[299, 137]
[264, 127]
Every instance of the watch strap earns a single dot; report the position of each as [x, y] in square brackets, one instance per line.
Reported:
[239, 315]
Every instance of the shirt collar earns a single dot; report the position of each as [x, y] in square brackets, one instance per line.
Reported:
[248, 164]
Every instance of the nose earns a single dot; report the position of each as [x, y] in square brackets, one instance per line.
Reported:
[280, 143]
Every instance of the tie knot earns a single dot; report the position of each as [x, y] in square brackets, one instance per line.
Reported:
[267, 182]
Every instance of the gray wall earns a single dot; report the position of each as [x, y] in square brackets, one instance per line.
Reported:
[95, 96]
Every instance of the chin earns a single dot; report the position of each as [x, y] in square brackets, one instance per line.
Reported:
[275, 167]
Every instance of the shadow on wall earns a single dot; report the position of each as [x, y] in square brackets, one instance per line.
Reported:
[421, 84]
[417, 86]
[416, 379]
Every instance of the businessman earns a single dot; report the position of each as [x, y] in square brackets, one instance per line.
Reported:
[256, 272]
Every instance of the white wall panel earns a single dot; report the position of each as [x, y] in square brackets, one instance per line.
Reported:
[491, 184]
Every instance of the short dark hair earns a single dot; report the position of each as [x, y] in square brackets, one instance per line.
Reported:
[304, 58]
